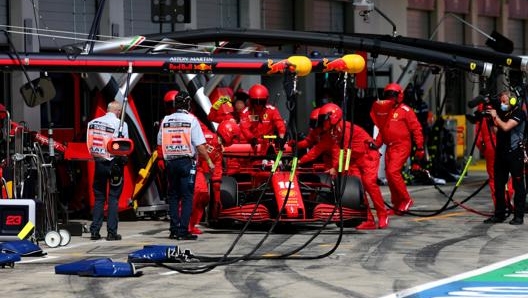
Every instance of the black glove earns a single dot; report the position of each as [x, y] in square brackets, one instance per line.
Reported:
[280, 143]
[253, 142]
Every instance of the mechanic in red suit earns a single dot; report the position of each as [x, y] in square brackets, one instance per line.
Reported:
[364, 160]
[201, 186]
[260, 118]
[313, 133]
[398, 133]
[486, 142]
[320, 143]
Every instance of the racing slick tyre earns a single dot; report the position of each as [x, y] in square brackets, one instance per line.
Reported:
[353, 193]
[229, 192]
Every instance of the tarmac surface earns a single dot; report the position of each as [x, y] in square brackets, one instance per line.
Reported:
[414, 250]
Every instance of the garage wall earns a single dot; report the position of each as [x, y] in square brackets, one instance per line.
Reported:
[3, 19]
[73, 16]
[277, 14]
[328, 16]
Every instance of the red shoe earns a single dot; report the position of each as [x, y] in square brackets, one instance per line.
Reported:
[394, 212]
[405, 207]
[367, 225]
[383, 221]
[195, 231]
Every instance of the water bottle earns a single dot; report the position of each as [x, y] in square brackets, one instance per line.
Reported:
[192, 173]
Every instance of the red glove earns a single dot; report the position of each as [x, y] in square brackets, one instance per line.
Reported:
[161, 162]
[420, 153]
[160, 152]
[161, 165]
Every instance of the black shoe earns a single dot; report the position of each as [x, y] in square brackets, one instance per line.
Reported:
[187, 237]
[494, 219]
[95, 236]
[516, 221]
[113, 237]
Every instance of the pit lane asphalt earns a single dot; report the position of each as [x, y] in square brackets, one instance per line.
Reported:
[412, 251]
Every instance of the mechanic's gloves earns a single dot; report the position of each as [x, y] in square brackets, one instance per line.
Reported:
[253, 142]
[161, 165]
[210, 164]
[281, 142]
[420, 153]
[160, 152]
[372, 145]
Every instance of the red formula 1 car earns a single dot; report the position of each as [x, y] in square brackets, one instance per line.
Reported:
[253, 189]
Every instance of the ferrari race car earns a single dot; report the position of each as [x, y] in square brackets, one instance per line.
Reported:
[255, 189]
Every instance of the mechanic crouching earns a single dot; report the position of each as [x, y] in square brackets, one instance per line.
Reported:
[335, 134]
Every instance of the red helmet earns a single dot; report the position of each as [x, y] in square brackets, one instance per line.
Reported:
[393, 90]
[314, 115]
[258, 95]
[228, 130]
[169, 98]
[329, 115]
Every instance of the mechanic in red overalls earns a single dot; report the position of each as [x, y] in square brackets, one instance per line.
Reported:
[398, 132]
[260, 118]
[313, 134]
[201, 188]
[320, 144]
[364, 161]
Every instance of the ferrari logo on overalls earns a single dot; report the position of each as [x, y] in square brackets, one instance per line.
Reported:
[508, 61]
[472, 65]
[265, 116]
[395, 115]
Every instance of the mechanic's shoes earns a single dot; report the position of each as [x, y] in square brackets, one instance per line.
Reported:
[113, 237]
[516, 221]
[495, 219]
[367, 225]
[187, 236]
[401, 209]
[95, 236]
[383, 221]
[406, 206]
